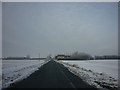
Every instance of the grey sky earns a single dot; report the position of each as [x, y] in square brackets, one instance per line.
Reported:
[52, 28]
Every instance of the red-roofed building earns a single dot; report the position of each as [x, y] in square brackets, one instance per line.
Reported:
[61, 56]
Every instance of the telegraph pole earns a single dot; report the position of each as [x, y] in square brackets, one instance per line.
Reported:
[39, 56]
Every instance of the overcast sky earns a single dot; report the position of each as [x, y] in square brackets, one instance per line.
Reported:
[56, 28]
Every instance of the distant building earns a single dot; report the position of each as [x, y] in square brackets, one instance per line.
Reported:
[61, 56]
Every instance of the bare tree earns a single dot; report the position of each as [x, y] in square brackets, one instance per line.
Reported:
[83, 56]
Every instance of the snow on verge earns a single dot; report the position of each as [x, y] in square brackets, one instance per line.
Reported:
[99, 80]
[16, 70]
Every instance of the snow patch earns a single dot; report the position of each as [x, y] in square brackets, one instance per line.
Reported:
[96, 79]
[16, 70]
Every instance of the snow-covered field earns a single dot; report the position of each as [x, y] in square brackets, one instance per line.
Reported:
[15, 70]
[99, 73]
[109, 67]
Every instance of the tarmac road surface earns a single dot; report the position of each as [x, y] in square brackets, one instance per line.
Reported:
[52, 75]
